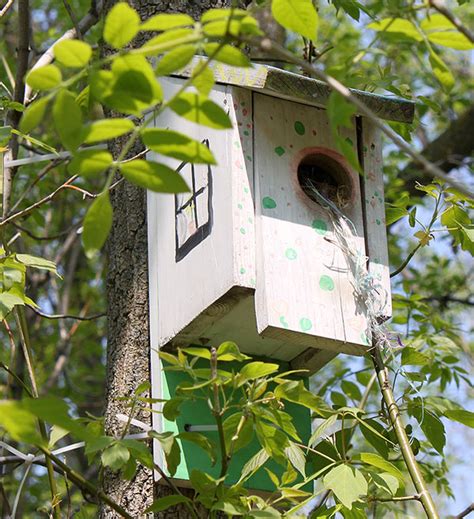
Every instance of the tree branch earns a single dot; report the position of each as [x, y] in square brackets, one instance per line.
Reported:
[465, 512]
[442, 9]
[89, 20]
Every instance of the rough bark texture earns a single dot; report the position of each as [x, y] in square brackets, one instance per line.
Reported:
[447, 151]
[128, 349]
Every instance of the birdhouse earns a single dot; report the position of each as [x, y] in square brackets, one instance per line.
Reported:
[251, 254]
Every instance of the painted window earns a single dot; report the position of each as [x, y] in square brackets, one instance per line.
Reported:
[193, 210]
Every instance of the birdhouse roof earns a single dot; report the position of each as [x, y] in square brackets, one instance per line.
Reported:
[295, 87]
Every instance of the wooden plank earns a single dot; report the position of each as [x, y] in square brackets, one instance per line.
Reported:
[288, 85]
[304, 284]
[374, 208]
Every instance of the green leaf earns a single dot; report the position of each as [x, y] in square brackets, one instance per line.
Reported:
[413, 357]
[451, 39]
[56, 434]
[166, 21]
[227, 54]
[19, 423]
[351, 390]
[55, 411]
[97, 225]
[273, 441]
[255, 370]
[72, 53]
[108, 129]
[347, 483]
[175, 59]
[201, 441]
[441, 71]
[167, 41]
[166, 502]
[432, 426]
[153, 176]
[202, 482]
[228, 351]
[404, 29]
[230, 428]
[377, 461]
[373, 432]
[386, 482]
[296, 457]
[94, 445]
[36, 262]
[203, 353]
[67, 117]
[5, 135]
[295, 391]
[393, 214]
[203, 79]
[44, 78]
[177, 145]
[297, 15]
[321, 429]
[33, 115]
[171, 408]
[121, 25]
[461, 416]
[90, 163]
[115, 457]
[8, 301]
[267, 513]
[170, 448]
[198, 109]
[253, 464]
[340, 112]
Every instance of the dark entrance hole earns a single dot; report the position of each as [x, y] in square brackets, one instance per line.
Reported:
[325, 174]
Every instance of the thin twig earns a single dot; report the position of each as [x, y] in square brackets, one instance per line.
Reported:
[405, 263]
[73, 18]
[6, 7]
[465, 512]
[44, 200]
[442, 9]
[67, 316]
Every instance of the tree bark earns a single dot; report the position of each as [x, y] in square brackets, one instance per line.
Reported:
[128, 345]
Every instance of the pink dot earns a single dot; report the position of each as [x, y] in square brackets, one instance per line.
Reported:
[238, 164]
[291, 145]
[249, 125]
[236, 106]
[315, 132]
[239, 123]
[245, 112]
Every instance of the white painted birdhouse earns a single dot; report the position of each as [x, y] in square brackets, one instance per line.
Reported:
[250, 254]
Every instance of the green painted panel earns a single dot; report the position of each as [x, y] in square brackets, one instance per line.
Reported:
[198, 413]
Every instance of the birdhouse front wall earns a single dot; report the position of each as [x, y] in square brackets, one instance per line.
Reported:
[304, 282]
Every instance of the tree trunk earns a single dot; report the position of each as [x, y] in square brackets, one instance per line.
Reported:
[128, 346]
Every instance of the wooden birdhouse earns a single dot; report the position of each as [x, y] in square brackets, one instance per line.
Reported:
[250, 254]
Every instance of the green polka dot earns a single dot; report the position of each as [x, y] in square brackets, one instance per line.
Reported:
[268, 203]
[326, 283]
[240, 206]
[291, 254]
[249, 158]
[242, 230]
[305, 324]
[283, 321]
[365, 149]
[377, 221]
[246, 189]
[252, 282]
[250, 220]
[246, 132]
[279, 150]
[299, 128]
[242, 270]
[320, 226]
[349, 141]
